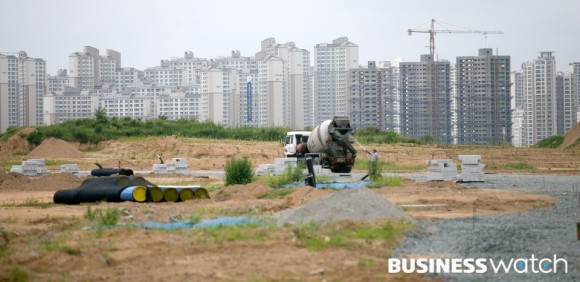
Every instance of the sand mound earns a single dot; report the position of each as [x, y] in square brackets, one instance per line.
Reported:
[360, 204]
[241, 192]
[304, 195]
[571, 136]
[17, 143]
[12, 181]
[55, 148]
[51, 182]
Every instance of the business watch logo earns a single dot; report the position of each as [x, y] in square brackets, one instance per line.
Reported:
[478, 265]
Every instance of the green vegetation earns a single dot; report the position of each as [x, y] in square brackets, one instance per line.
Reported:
[550, 142]
[513, 166]
[238, 171]
[10, 131]
[316, 237]
[14, 274]
[228, 233]
[101, 128]
[373, 135]
[386, 181]
[290, 175]
[387, 166]
[110, 216]
[34, 203]
[276, 193]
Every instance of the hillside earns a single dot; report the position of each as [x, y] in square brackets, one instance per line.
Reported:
[571, 138]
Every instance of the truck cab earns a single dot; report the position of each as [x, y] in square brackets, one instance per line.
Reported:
[292, 140]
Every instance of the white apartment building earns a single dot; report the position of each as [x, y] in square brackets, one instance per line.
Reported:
[539, 99]
[22, 86]
[178, 106]
[331, 65]
[215, 95]
[127, 77]
[165, 75]
[72, 103]
[517, 106]
[127, 106]
[57, 82]
[271, 90]
[295, 86]
[84, 69]
[108, 66]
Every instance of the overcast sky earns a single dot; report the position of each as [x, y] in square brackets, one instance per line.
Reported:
[146, 31]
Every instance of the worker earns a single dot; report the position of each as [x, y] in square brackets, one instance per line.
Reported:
[374, 157]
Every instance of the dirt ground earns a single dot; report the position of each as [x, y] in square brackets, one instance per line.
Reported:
[47, 242]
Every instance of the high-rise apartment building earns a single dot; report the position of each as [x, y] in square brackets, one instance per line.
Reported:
[370, 99]
[88, 69]
[567, 98]
[483, 99]
[57, 82]
[291, 79]
[332, 63]
[539, 99]
[425, 105]
[22, 86]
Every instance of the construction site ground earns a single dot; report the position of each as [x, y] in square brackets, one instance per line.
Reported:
[41, 241]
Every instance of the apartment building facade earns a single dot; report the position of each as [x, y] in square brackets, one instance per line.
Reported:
[539, 99]
[425, 99]
[22, 87]
[483, 99]
[332, 63]
[370, 100]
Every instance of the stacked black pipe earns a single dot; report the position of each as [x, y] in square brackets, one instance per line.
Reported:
[94, 190]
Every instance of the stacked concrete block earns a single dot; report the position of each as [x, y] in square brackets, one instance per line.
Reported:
[69, 168]
[280, 164]
[176, 165]
[32, 167]
[471, 168]
[441, 170]
[265, 169]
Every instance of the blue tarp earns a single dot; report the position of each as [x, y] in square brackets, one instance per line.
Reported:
[216, 222]
[331, 185]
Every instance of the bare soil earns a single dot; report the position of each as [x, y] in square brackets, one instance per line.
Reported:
[47, 242]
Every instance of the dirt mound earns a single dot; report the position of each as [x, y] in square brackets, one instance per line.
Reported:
[12, 181]
[304, 195]
[17, 143]
[571, 137]
[360, 204]
[241, 192]
[55, 148]
[50, 182]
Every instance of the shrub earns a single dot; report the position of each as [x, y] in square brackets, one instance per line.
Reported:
[291, 174]
[375, 169]
[550, 142]
[239, 171]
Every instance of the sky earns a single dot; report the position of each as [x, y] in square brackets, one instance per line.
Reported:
[147, 31]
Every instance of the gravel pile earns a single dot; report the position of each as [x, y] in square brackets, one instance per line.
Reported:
[360, 204]
[543, 233]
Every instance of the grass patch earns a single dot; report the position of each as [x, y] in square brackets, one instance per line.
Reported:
[290, 175]
[52, 246]
[513, 166]
[387, 166]
[550, 142]
[107, 217]
[276, 193]
[388, 181]
[14, 274]
[32, 203]
[243, 232]
[351, 235]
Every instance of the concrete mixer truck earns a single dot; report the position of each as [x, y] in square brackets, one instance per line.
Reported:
[329, 145]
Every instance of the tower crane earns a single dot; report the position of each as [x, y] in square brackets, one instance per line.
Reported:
[432, 31]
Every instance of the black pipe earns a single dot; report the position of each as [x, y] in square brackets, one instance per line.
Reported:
[111, 171]
[310, 178]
